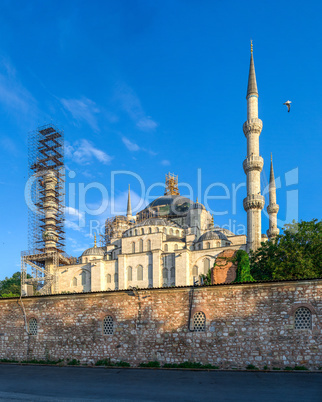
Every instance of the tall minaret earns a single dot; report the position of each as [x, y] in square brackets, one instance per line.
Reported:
[272, 208]
[253, 164]
[129, 208]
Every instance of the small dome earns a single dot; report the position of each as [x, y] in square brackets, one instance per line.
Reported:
[94, 251]
[213, 235]
[197, 205]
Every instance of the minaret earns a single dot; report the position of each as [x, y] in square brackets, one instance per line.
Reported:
[272, 208]
[129, 208]
[253, 164]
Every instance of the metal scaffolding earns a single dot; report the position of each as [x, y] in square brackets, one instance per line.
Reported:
[46, 235]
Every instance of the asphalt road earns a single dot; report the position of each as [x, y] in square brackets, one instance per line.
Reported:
[36, 383]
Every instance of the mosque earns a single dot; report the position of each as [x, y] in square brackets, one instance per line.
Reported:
[173, 240]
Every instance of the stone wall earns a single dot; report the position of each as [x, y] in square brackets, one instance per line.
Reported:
[245, 324]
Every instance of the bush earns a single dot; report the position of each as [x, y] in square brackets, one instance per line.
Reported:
[8, 361]
[34, 361]
[150, 364]
[191, 365]
[251, 367]
[73, 362]
[108, 363]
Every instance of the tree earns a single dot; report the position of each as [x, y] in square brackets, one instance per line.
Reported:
[10, 287]
[205, 279]
[296, 254]
[243, 267]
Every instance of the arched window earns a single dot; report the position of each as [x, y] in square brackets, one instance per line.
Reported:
[199, 322]
[83, 277]
[33, 326]
[74, 281]
[108, 278]
[206, 265]
[303, 318]
[116, 278]
[195, 271]
[133, 247]
[149, 245]
[140, 273]
[208, 245]
[165, 230]
[165, 274]
[165, 247]
[140, 246]
[136, 232]
[157, 230]
[173, 272]
[176, 247]
[150, 271]
[129, 273]
[177, 232]
[108, 324]
[142, 231]
[171, 231]
[150, 230]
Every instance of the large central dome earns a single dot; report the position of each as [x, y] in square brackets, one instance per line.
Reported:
[168, 205]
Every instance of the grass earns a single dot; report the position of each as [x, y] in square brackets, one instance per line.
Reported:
[191, 365]
[108, 363]
[34, 361]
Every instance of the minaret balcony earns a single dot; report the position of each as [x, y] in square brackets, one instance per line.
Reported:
[272, 232]
[253, 162]
[254, 201]
[252, 126]
[273, 209]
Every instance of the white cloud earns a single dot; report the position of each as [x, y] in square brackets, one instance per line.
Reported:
[131, 146]
[83, 152]
[13, 95]
[131, 104]
[72, 225]
[83, 109]
[165, 162]
[74, 213]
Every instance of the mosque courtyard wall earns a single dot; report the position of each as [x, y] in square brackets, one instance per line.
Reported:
[229, 326]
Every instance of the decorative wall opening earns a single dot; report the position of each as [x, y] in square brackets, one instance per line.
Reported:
[129, 273]
[303, 318]
[199, 322]
[206, 265]
[108, 278]
[33, 326]
[133, 247]
[140, 245]
[165, 247]
[108, 325]
[149, 245]
[74, 281]
[195, 271]
[140, 273]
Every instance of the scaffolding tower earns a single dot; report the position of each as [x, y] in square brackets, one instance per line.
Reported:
[45, 190]
[171, 184]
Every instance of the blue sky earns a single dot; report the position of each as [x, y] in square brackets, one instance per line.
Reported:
[151, 87]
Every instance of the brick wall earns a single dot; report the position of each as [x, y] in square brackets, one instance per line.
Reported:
[251, 323]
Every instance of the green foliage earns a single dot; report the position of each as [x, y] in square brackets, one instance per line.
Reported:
[276, 368]
[300, 368]
[108, 363]
[150, 364]
[296, 254]
[34, 361]
[251, 367]
[288, 368]
[73, 362]
[205, 278]
[265, 367]
[243, 267]
[8, 361]
[10, 287]
[191, 365]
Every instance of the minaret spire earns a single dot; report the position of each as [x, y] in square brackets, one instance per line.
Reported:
[272, 208]
[129, 208]
[253, 164]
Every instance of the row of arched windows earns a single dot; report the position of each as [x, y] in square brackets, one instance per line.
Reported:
[140, 248]
[302, 320]
[166, 247]
[84, 277]
[142, 231]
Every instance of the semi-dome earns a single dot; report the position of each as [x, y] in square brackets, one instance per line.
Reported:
[156, 222]
[212, 235]
[98, 251]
